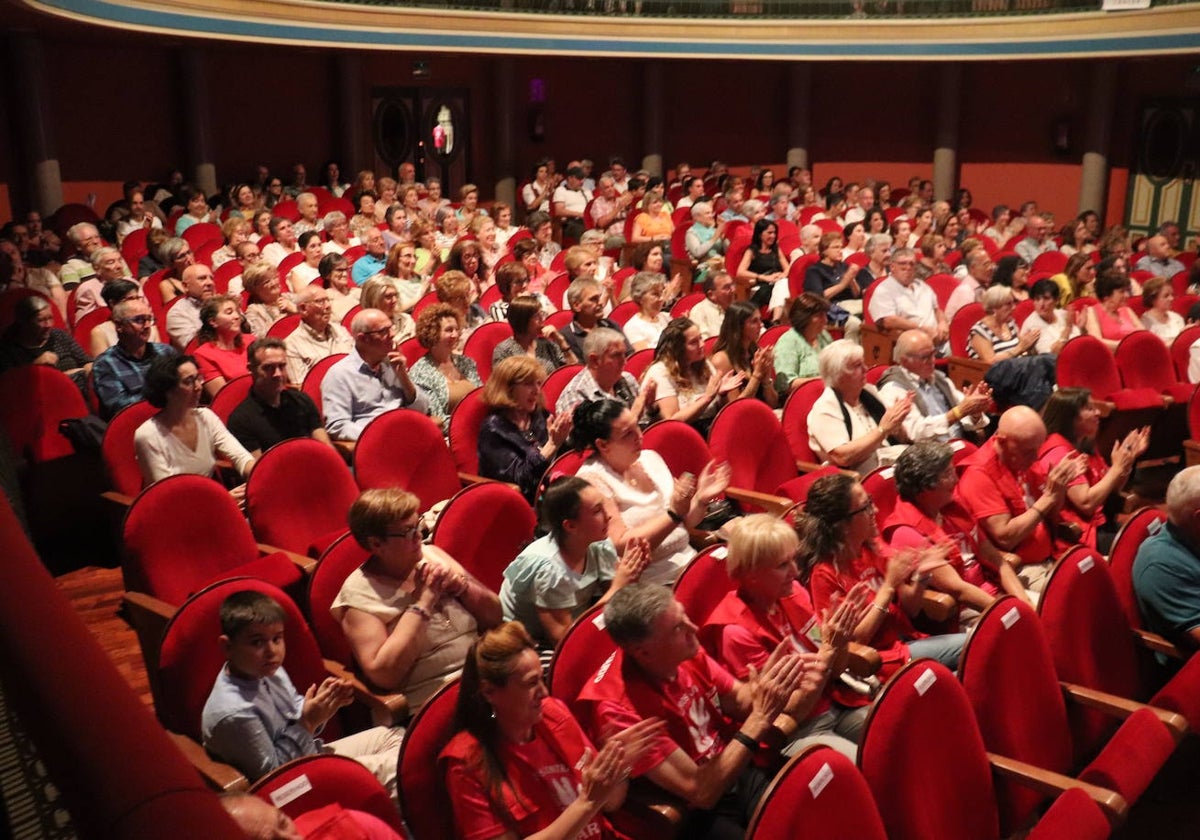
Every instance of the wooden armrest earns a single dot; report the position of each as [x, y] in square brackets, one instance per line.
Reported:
[304, 563]
[964, 371]
[1191, 452]
[938, 605]
[1106, 407]
[863, 661]
[1120, 707]
[221, 777]
[148, 616]
[117, 498]
[776, 505]
[1156, 643]
[1049, 783]
[701, 539]
[386, 709]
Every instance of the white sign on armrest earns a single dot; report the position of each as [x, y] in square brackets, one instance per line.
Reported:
[821, 780]
[292, 791]
[925, 682]
[1010, 618]
[1086, 564]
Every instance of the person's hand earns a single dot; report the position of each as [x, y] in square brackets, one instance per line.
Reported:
[632, 563]
[893, 418]
[764, 358]
[900, 567]
[1126, 452]
[650, 389]
[49, 358]
[714, 478]
[549, 331]
[1080, 318]
[287, 305]
[239, 493]
[931, 557]
[674, 287]
[942, 334]
[1027, 340]
[560, 427]
[681, 495]
[399, 363]
[322, 702]
[838, 622]
[603, 773]
[440, 578]
[638, 739]
[729, 381]
[1064, 472]
[976, 399]
[771, 687]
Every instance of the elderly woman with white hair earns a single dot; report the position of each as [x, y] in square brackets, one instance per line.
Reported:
[644, 328]
[337, 232]
[996, 337]
[705, 238]
[848, 425]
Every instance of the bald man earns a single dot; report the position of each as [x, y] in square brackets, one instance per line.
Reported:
[939, 410]
[999, 490]
[183, 319]
[260, 820]
[1166, 573]
[1158, 260]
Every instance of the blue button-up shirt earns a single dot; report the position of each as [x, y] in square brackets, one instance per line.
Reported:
[119, 377]
[353, 394]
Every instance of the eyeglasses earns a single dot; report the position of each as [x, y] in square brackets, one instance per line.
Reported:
[192, 381]
[404, 533]
[139, 320]
[382, 332]
[870, 505]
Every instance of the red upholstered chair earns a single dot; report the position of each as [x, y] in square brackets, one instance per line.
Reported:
[287, 209]
[117, 452]
[202, 233]
[298, 494]
[581, 651]
[421, 464]
[224, 273]
[1022, 310]
[684, 305]
[622, 312]
[943, 286]
[82, 332]
[315, 781]
[818, 793]
[284, 327]
[427, 809]
[771, 335]
[1053, 262]
[133, 247]
[556, 287]
[1136, 530]
[312, 381]
[482, 343]
[34, 399]
[703, 583]
[795, 422]
[1183, 302]
[880, 485]
[960, 328]
[230, 396]
[1180, 350]
[412, 350]
[921, 736]
[567, 463]
[335, 565]
[619, 278]
[636, 364]
[1144, 362]
[748, 436]
[796, 272]
[559, 319]
[556, 382]
[465, 422]
[680, 445]
[348, 318]
[1094, 647]
[428, 300]
[285, 268]
[1008, 673]
[1086, 363]
[484, 527]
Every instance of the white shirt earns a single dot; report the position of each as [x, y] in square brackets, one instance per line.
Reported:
[827, 428]
[918, 426]
[160, 454]
[967, 291]
[916, 303]
[1049, 333]
[638, 330]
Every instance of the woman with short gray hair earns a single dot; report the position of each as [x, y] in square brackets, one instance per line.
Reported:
[996, 337]
[648, 290]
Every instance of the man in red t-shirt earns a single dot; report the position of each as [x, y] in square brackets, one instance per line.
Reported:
[703, 757]
[995, 489]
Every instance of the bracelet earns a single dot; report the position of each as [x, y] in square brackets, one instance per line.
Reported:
[417, 609]
[746, 741]
[882, 610]
[675, 517]
[1038, 511]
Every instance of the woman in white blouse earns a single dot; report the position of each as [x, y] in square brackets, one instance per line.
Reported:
[182, 437]
[644, 328]
[1158, 295]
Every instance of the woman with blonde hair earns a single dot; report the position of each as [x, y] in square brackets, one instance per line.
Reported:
[267, 304]
[379, 293]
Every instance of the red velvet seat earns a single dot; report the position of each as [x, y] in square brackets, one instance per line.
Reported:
[1181, 350]
[943, 286]
[34, 400]
[556, 286]
[703, 584]
[684, 305]
[422, 464]
[465, 422]
[285, 268]
[298, 494]
[315, 781]
[484, 527]
[82, 331]
[771, 335]
[412, 350]
[1052, 262]
[335, 565]
[880, 485]
[795, 422]
[680, 445]
[202, 233]
[284, 327]
[1086, 363]
[482, 343]
[796, 272]
[567, 463]
[230, 396]
[619, 277]
[636, 364]
[960, 328]
[581, 651]
[1145, 363]
[117, 451]
[1008, 673]
[747, 435]
[622, 312]
[312, 381]
[287, 209]
[424, 802]
[429, 299]
[557, 382]
[818, 793]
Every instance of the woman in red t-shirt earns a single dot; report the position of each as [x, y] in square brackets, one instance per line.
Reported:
[221, 354]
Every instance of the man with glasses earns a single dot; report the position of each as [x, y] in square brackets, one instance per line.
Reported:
[902, 302]
[86, 238]
[939, 410]
[372, 379]
[317, 336]
[119, 373]
[1037, 241]
[273, 412]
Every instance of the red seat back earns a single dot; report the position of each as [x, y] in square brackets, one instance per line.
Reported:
[922, 736]
[556, 287]
[485, 527]
[284, 327]
[202, 233]
[34, 399]
[117, 450]
[465, 422]
[312, 380]
[419, 784]
[619, 278]
[622, 312]
[1052, 262]
[943, 286]
[636, 364]
[287, 209]
[1086, 363]
[796, 272]
[315, 781]
[422, 465]
[482, 342]
[336, 563]
[680, 445]
[703, 584]
[1181, 350]
[556, 382]
[191, 658]
[1143, 361]
[580, 653]
[818, 793]
[286, 265]
[82, 332]
[960, 327]
[880, 485]
[1136, 530]
[230, 396]
[684, 305]
[748, 436]
[298, 494]
[771, 336]
[568, 463]
[795, 420]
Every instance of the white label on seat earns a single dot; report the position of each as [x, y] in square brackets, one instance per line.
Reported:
[888, 473]
[720, 552]
[1010, 618]
[292, 791]
[1086, 564]
[821, 780]
[598, 620]
[925, 681]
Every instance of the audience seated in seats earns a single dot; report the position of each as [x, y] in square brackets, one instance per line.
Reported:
[995, 337]
[926, 515]
[1166, 572]
[337, 230]
[182, 437]
[32, 339]
[443, 375]
[558, 577]
[268, 303]
[714, 724]
[585, 297]
[317, 335]
[587, 259]
[736, 349]
[878, 249]
[536, 193]
[654, 223]
[183, 319]
[466, 257]
[140, 217]
[260, 820]
[1013, 272]
[1077, 279]
[286, 241]
[645, 327]
[796, 351]
[503, 213]
[86, 239]
[410, 612]
[939, 410]
[1159, 318]
[1110, 320]
[372, 379]
[1054, 327]
[836, 281]
[273, 412]
[221, 352]
[604, 376]
[902, 302]
[16, 273]
[970, 288]
[642, 498]
[246, 253]
[1037, 240]
[609, 210]
[308, 269]
[839, 549]
[512, 281]
[705, 239]
[1000, 230]
[310, 218]
[649, 258]
[516, 441]
[484, 229]
[380, 293]
[1072, 423]
[533, 338]
[1000, 480]
[197, 210]
[104, 334]
[256, 720]
[709, 314]
[570, 202]
[1158, 259]
[374, 261]
[764, 266]
[236, 230]
[363, 220]
[455, 289]
[849, 426]
[401, 269]
[769, 609]
[686, 385]
[542, 228]
[521, 765]
[932, 261]
[109, 267]
[119, 373]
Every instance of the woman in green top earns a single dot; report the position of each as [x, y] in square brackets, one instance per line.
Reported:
[797, 349]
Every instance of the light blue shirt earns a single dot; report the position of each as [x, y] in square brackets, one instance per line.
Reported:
[366, 267]
[352, 394]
